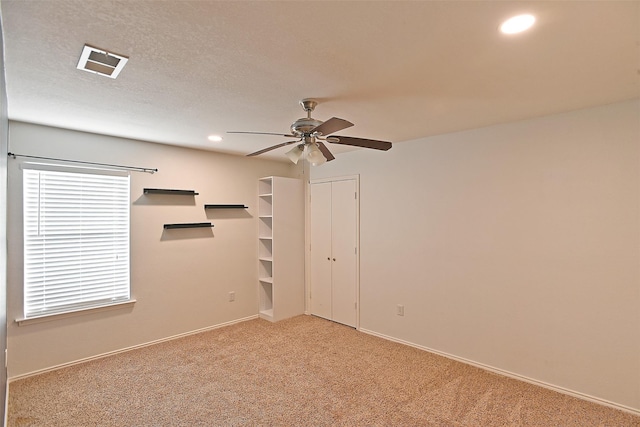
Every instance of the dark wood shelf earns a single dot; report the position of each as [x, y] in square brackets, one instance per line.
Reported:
[171, 192]
[188, 225]
[226, 207]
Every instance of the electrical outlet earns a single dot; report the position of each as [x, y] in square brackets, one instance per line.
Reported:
[232, 296]
[400, 310]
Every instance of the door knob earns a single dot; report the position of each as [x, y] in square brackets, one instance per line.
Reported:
[334, 259]
[328, 259]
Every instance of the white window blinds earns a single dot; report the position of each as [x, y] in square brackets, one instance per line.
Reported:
[76, 240]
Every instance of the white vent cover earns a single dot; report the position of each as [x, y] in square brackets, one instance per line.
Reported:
[99, 61]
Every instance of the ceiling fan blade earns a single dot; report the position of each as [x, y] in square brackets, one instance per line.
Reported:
[264, 133]
[273, 147]
[325, 151]
[334, 124]
[360, 142]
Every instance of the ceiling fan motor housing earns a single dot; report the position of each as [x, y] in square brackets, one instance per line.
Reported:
[304, 126]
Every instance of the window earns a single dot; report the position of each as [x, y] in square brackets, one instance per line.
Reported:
[76, 239]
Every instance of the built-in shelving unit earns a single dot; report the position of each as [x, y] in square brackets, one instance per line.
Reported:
[280, 248]
[226, 207]
[170, 192]
[265, 251]
[188, 225]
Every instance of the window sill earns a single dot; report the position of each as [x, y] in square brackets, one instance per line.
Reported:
[58, 316]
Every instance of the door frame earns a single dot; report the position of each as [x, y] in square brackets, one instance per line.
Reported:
[307, 258]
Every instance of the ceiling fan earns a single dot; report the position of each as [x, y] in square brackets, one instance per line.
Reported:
[311, 135]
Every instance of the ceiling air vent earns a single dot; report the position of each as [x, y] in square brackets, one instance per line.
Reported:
[101, 62]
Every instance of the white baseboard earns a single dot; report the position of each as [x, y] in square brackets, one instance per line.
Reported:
[509, 374]
[366, 331]
[123, 350]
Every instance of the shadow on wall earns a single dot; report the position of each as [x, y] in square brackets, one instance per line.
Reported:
[164, 200]
[228, 214]
[186, 233]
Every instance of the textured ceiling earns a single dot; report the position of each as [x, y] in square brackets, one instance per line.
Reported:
[398, 70]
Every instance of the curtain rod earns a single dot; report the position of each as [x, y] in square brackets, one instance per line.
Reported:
[130, 168]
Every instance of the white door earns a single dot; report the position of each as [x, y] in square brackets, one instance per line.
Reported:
[343, 251]
[333, 251]
[321, 250]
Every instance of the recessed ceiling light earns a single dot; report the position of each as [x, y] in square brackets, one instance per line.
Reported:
[517, 24]
[214, 138]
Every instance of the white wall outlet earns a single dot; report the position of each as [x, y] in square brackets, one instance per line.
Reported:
[232, 296]
[400, 310]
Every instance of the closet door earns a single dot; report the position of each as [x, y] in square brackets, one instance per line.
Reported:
[333, 251]
[343, 251]
[321, 250]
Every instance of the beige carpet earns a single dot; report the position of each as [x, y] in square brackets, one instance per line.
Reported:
[299, 372]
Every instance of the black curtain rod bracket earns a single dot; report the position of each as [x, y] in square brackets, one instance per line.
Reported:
[129, 168]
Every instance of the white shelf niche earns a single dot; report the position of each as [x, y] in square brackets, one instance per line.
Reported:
[280, 247]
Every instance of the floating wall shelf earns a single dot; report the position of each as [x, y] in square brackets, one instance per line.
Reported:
[172, 192]
[189, 225]
[226, 207]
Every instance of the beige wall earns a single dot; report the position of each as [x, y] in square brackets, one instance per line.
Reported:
[180, 278]
[514, 246]
[4, 129]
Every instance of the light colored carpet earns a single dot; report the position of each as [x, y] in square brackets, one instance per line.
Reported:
[303, 371]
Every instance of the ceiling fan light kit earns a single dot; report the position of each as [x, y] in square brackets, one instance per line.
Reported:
[295, 153]
[311, 133]
[314, 156]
